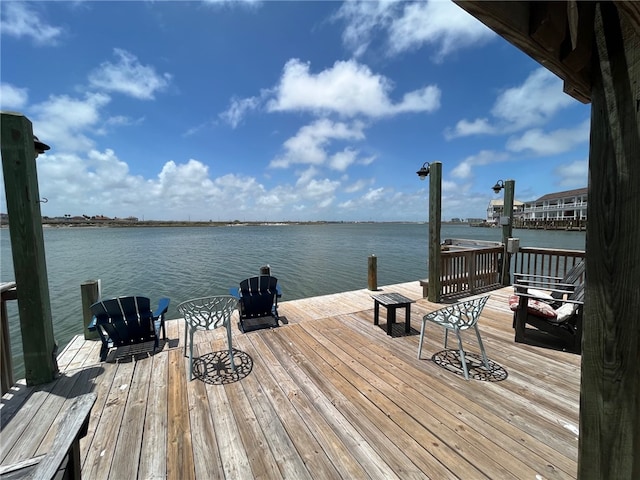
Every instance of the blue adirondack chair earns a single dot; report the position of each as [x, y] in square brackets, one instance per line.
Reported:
[258, 299]
[127, 321]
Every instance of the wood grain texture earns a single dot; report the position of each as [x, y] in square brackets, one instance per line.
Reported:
[610, 405]
[329, 395]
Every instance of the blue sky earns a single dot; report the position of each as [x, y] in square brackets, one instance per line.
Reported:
[282, 111]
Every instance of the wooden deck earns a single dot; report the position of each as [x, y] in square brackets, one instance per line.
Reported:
[329, 395]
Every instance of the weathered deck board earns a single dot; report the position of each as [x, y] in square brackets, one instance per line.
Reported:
[329, 395]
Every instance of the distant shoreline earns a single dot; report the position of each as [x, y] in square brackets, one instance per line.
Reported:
[51, 223]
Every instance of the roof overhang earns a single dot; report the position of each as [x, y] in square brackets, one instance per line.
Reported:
[559, 35]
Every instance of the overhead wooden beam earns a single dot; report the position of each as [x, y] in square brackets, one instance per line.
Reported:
[609, 442]
[548, 24]
[541, 31]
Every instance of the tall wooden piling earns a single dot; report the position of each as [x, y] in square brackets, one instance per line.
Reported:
[27, 246]
[435, 219]
[507, 230]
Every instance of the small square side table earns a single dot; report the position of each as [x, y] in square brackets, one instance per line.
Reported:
[392, 301]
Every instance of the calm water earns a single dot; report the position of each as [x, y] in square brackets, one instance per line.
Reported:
[188, 262]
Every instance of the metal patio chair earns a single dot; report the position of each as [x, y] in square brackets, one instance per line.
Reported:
[207, 313]
[458, 317]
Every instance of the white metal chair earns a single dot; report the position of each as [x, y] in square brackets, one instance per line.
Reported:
[457, 317]
[207, 313]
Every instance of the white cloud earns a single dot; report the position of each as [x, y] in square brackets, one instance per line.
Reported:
[409, 26]
[129, 76]
[309, 145]
[238, 109]
[464, 169]
[20, 20]
[12, 97]
[531, 104]
[573, 175]
[443, 24]
[551, 143]
[363, 20]
[534, 102]
[347, 89]
[62, 121]
[463, 128]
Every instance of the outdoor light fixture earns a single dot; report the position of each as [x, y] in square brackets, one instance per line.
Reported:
[498, 186]
[424, 171]
[39, 146]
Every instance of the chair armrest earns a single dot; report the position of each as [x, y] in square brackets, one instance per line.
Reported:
[92, 324]
[279, 291]
[560, 289]
[163, 306]
[558, 300]
[235, 292]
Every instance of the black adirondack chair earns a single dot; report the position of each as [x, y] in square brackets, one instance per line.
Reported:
[127, 321]
[258, 302]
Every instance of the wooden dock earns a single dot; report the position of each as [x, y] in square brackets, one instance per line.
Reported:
[328, 395]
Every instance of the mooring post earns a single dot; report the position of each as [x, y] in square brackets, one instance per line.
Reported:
[27, 247]
[373, 272]
[90, 293]
[435, 217]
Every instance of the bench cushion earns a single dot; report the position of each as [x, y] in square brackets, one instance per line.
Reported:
[534, 307]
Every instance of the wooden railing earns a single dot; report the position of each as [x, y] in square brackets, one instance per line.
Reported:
[7, 292]
[470, 271]
[546, 261]
[467, 267]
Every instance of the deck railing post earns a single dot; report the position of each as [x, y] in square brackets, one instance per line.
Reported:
[8, 292]
[90, 293]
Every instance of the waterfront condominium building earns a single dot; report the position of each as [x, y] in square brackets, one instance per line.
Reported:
[568, 205]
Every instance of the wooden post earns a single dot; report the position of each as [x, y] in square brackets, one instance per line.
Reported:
[90, 293]
[435, 218]
[373, 272]
[507, 211]
[7, 292]
[27, 245]
[609, 442]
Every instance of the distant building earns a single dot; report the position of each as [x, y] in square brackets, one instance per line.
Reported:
[568, 205]
[496, 208]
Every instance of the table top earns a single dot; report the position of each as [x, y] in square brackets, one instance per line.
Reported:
[392, 299]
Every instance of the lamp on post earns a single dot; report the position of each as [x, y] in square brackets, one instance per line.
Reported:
[498, 186]
[424, 170]
[506, 220]
[434, 171]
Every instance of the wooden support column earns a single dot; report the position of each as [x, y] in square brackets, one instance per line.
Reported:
[610, 389]
[435, 219]
[27, 245]
[507, 230]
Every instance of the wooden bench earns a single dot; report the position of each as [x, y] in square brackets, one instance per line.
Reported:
[63, 456]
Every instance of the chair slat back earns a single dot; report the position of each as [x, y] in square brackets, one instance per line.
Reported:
[125, 320]
[461, 315]
[208, 313]
[257, 295]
